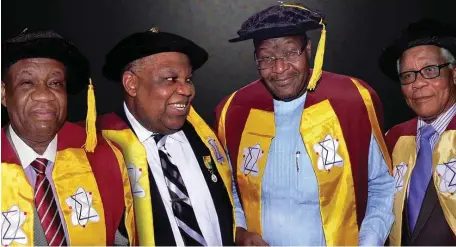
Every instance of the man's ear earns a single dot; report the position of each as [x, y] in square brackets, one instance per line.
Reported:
[308, 49]
[453, 72]
[3, 94]
[130, 83]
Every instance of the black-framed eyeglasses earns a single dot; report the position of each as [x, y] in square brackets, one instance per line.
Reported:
[269, 61]
[428, 72]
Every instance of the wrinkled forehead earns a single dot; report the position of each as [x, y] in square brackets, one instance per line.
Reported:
[300, 40]
[36, 67]
[174, 62]
[423, 53]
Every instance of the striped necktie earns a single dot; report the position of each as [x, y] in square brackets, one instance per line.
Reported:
[182, 207]
[46, 206]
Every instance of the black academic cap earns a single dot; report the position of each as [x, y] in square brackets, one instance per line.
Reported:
[423, 32]
[48, 44]
[143, 44]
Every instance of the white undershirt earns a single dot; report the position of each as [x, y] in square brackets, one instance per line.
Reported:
[184, 158]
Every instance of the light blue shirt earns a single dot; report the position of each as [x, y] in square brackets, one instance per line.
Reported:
[290, 201]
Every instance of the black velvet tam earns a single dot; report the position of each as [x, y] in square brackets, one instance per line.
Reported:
[423, 32]
[143, 44]
[280, 21]
[48, 44]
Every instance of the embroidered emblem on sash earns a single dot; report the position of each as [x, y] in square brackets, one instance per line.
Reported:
[81, 205]
[399, 172]
[250, 162]
[447, 174]
[327, 152]
[218, 155]
[135, 174]
[12, 221]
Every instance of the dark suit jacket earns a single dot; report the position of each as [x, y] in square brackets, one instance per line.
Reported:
[162, 227]
[431, 227]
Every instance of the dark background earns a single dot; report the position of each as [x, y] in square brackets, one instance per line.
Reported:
[357, 31]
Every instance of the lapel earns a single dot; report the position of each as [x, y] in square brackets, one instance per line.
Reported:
[429, 203]
[217, 189]
[406, 235]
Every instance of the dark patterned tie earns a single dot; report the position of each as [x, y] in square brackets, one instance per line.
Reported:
[182, 207]
[46, 206]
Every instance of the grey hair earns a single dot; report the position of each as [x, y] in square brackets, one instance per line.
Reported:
[446, 54]
[134, 66]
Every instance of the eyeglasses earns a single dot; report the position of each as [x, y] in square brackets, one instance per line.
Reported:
[428, 72]
[269, 61]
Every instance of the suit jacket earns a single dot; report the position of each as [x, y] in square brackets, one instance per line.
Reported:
[431, 222]
[431, 227]
[162, 227]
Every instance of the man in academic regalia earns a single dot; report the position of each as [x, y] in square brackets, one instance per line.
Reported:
[60, 186]
[180, 175]
[423, 149]
[309, 159]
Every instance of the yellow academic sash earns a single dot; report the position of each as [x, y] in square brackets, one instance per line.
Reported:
[319, 123]
[404, 159]
[136, 160]
[18, 201]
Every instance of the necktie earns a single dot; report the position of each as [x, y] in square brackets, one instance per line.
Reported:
[182, 207]
[421, 175]
[46, 206]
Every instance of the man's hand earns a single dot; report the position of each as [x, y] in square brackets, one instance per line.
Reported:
[245, 238]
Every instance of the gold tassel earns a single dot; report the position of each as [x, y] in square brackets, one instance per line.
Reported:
[318, 63]
[91, 139]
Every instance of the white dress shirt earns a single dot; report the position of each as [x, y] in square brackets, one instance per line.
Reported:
[184, 158]
[26, 154]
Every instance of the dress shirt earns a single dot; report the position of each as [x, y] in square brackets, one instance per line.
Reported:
[290, 200]
[184, 158]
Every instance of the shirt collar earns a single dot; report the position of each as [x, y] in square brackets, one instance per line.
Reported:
[143, 134]
[287, 107]
[26, 154]
[441, 122]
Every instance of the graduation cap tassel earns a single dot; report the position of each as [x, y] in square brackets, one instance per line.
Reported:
[318, 63]
[91, 139]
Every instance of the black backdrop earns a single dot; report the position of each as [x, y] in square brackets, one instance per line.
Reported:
[357, 31]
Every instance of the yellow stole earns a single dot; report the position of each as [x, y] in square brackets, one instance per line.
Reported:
[19, 194]
[404, 158]
[336, 188]
[136, 158]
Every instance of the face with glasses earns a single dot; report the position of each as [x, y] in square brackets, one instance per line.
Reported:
[428, 81]
[283, 64]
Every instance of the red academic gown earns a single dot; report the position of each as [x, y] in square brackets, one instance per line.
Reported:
[100, 176]
[342, 111]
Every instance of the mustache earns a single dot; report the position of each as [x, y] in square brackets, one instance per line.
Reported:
[280, 77]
